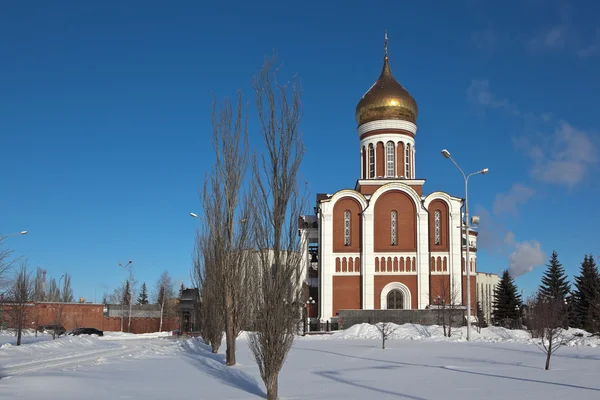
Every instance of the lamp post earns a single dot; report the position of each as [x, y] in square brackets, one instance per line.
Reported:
[13, 234]
[129, 296]
[60, 296]
[467, 223]
[308, 303]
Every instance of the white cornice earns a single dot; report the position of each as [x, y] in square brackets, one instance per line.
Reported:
[387, 124]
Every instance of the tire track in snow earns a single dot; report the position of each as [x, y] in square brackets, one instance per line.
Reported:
[65, 361]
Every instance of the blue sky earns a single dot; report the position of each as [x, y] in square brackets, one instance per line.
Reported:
[105, 119]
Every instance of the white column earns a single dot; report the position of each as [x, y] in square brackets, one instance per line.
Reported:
[327, 263]
[367, 261]
[422, 258]
[455, 247]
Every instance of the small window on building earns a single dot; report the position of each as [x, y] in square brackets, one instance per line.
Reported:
[394, 226]
[391, 149]
[438, 228]
[371, 161]
[407, 162]
[347, 228]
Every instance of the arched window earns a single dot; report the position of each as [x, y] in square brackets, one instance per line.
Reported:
[371, 161]
[347, 228]
[438, 227]
[391, 148]
[407, 162]
[394, 227]
[395, 300]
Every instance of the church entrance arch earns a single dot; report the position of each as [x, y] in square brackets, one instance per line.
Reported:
[395, 296]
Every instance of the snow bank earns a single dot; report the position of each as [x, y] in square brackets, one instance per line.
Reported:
[494, 334]
[109, 335]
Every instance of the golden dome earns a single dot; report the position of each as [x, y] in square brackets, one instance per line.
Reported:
[386, 99]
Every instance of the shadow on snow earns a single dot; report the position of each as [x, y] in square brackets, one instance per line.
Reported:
[199, 354]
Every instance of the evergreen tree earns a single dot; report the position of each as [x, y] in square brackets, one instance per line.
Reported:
[554, 282]
[126, 293]
[143, 297]
[481, 316]
[586, 297]
[507, 300]
[181, 289]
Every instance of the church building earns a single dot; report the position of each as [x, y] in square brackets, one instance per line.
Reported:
[385, 244]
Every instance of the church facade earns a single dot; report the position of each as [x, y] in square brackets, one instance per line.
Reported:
[385, 244]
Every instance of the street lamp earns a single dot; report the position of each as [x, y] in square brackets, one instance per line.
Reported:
[308, 303]
[13, 234]
[130, 299]
[484, 171]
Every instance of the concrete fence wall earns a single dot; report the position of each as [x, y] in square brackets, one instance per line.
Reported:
[347, 318]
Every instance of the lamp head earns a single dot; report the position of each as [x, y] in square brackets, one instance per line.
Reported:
[446, 153]
[23, 232]
[484, 171]
[193, 215]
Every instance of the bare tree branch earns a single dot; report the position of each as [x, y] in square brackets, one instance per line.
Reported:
[277, 207]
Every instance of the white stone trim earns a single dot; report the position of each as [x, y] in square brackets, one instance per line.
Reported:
[387, 124]
[407, 301]
[377, 182]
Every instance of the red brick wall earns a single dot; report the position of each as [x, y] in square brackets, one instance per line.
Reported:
[346, 293]
[77, 315]
[409, 280]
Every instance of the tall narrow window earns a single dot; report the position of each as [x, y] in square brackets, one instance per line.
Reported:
[438, 227]
[347, 228]
[394, 223]
[371, 161]
[390, 159]
[407, 162]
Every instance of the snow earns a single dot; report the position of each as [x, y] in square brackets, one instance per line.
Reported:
[418, 363]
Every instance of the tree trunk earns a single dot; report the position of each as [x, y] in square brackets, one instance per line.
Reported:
[19, 331]
[214, 348]
[272, 387]
[230, 333]
[383, 343]
[548, 354]
[162, 308]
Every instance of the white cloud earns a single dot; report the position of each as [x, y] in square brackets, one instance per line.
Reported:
[506, 203]
[522, 257]
[479, 93]
[563, 158]
[554, 38]
[485, 40]
[525, 256]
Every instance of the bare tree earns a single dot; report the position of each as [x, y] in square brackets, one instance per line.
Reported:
[548, 319]
[278, 206]
[19, 296]
[58, 318]
[227, 207]
[66, 295]
[210, 285]
[386, 329]
[53, 293]
[165, 292]
[447, 298]
[131, 293]
[39, 286]
[6, 264]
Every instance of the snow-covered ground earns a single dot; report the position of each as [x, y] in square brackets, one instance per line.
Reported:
[418, 363]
